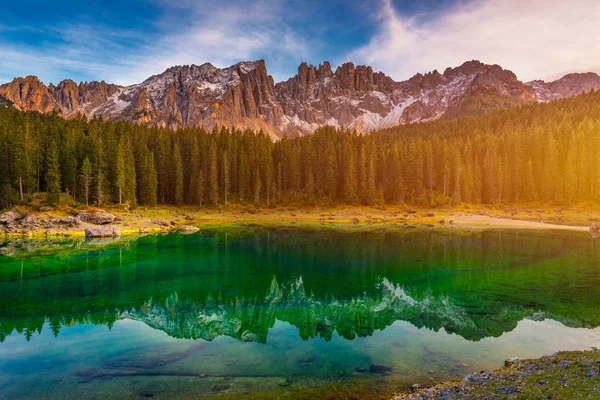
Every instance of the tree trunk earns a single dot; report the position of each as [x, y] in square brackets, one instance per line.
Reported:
[445, 183]
[21, 188]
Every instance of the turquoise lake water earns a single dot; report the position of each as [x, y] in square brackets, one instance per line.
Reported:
[292, 313]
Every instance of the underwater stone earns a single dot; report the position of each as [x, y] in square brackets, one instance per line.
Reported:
[102, 231]
[379, 369]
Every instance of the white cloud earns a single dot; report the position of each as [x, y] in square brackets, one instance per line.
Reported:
[189, 33]
[534, 38]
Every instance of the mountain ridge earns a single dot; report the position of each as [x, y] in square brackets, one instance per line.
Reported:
[245, 96]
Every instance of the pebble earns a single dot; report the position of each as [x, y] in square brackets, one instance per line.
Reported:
[591, 373]
[508, 390]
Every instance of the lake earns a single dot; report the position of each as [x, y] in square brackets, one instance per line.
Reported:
[254, 312]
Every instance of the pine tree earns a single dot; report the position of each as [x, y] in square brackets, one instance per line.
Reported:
[279, 181]
[363, 190]
[257, 188]
[395, 178]
[213, 175]
[196, 177]
[570, 178]
[310, 185]
[120, 172]
[490, 182]
[53, 174]
[415, 168]
[244, 177]
[147, 182]
[330, 174]
[371, 191]
[129, 191]
[98, 162]
[225, 170]
[177, 162]
[86, 179]
[349, 177]
[529, 189]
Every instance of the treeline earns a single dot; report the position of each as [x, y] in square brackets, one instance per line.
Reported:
[540, 152]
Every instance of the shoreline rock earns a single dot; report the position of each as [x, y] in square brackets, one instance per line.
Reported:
[10, 217]
[102, 231]
[595, 229]
[187, 229]
[99, 217]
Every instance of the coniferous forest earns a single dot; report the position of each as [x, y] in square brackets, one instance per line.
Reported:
[541, 152]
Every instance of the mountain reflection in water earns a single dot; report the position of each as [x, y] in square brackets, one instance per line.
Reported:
[239, 282]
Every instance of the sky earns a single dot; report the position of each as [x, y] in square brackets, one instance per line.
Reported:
[126, 41]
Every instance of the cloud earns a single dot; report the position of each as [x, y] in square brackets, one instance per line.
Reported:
[86, 51]
[187, 32]
[535, 38]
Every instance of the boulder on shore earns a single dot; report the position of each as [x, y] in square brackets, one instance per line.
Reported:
[99, 217]
[102, 231]
[188, 229]
[29, 220]
[160, 222]
[68, 221]
[10, 217]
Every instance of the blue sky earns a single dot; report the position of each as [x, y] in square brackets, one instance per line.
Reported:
[126, 41]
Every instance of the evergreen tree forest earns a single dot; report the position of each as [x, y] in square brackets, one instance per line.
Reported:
[535, 153]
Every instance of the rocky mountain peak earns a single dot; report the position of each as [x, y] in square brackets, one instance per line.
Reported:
[28, 93]
[567, 86]
[244, 95]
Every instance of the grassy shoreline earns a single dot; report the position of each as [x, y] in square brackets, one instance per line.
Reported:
[149, 219]
[564, 375]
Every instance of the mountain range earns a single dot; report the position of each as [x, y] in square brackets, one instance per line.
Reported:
[244, 95]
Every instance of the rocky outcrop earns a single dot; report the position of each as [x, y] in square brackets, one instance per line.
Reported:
[10, 217]
[102, 231]
[241, 96]
[30, 221]
[245, 96]
[568, 86]
[99, 217]
[358, 98]
[318, 96]
[68, 98]
[29, 94]
[69, 221]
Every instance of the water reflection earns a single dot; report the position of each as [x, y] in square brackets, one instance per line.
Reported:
[237, 283]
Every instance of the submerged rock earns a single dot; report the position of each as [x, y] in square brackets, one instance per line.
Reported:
[188, 229]
[380, 369]
[102, 231]
[512, 361]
